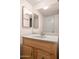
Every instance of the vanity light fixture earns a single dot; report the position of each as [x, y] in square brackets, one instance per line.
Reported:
[45, 8]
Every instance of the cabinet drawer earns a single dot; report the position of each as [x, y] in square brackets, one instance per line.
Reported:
[26, 51]
[28, 41]
[43, 55]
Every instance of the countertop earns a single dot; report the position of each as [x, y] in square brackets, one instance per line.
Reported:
[49, 38]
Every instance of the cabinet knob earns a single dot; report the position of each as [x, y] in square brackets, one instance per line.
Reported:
[43, 58]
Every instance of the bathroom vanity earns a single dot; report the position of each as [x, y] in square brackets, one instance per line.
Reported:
[33, 48]
[39, 30]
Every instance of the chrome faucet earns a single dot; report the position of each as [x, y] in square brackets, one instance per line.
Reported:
[42, 34]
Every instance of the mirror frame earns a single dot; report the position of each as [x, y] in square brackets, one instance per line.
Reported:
[35, 26]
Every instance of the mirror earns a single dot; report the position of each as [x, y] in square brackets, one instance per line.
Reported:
[35, 21]
[51, 23]
[48, 18]
[48, 24]
[26, 18]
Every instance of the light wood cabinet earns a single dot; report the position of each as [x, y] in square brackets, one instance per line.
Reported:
[41, 56]
[26, 52]
[37, 49]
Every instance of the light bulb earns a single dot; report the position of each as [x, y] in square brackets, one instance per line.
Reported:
[45, 8]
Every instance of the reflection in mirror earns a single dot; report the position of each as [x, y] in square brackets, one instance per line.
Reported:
[26, 18]
[49, 20]
[50, 24]
[35, 21]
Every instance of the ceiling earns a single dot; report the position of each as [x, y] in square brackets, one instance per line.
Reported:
[52, 9]
[35, 2]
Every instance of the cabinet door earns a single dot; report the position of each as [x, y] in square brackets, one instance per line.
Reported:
[43, 55]
[26, 52]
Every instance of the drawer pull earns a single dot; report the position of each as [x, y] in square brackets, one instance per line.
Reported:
[31, 54]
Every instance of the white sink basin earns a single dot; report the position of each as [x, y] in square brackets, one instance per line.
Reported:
[41, 36]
